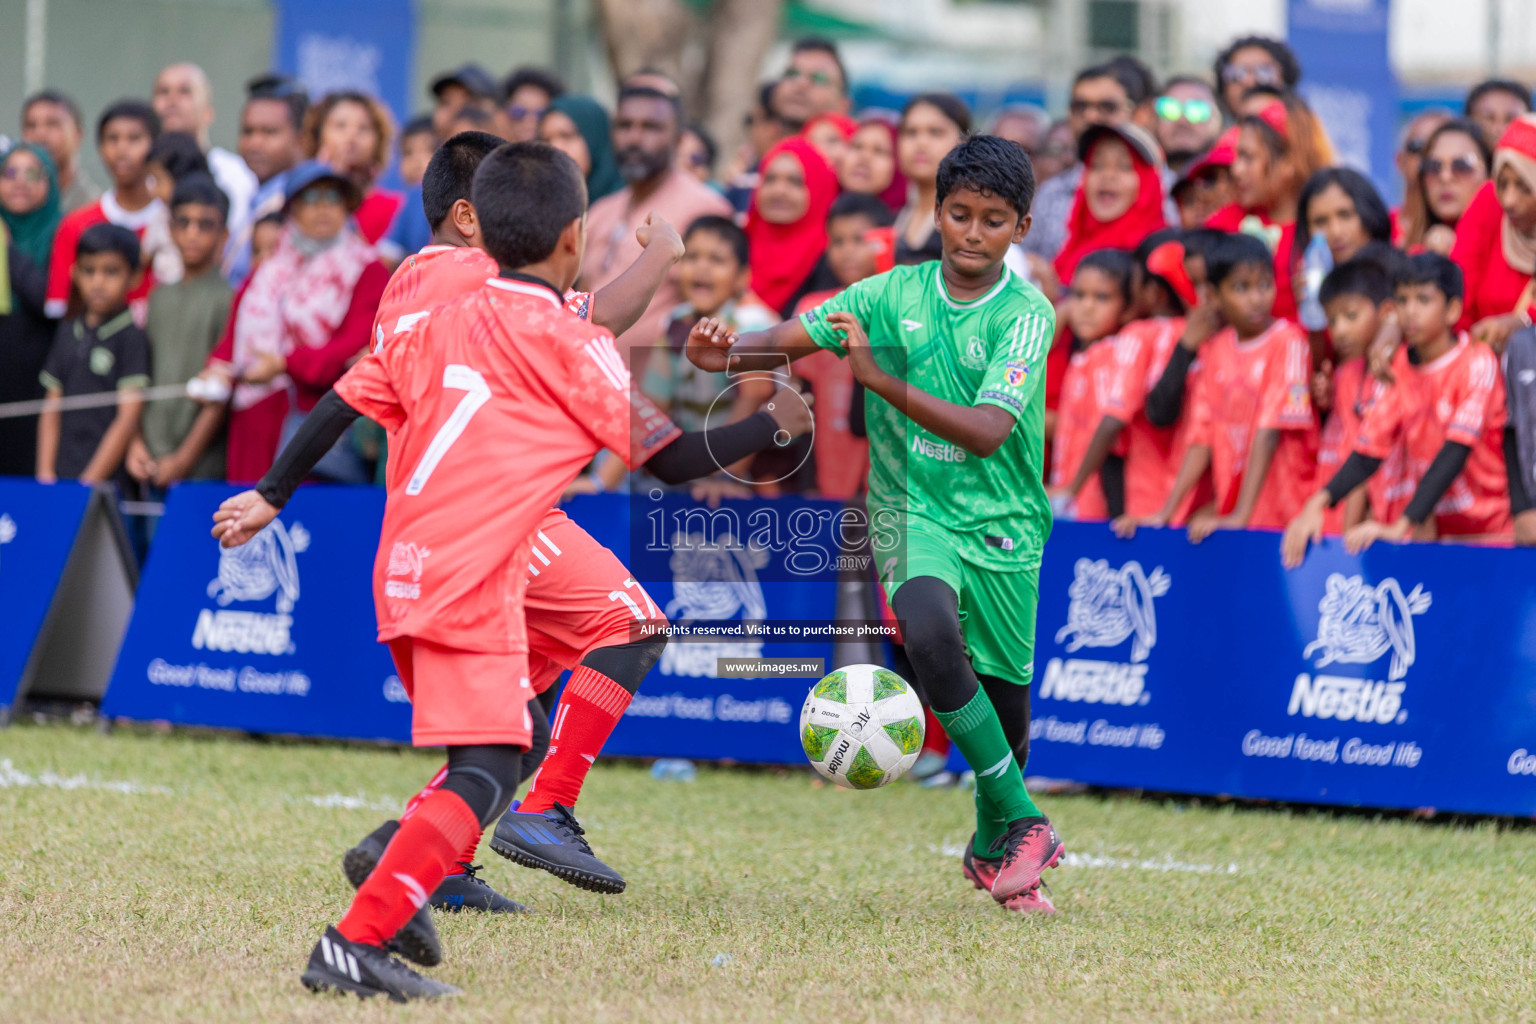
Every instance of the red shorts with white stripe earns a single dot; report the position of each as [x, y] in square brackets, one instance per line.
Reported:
[463, 698]
[580, 597]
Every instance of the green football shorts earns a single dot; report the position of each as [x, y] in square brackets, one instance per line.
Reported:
[997, 609]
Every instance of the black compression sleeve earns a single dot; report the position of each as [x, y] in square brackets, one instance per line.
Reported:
[1437, 480]
[321, 429]
[856, 424]
[694, 454]
[1166, 399]
[1519, 500]
[1357, 469]
[1112, 480]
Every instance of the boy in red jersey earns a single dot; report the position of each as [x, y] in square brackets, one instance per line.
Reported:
[493, 405]
[1100, 301]
[1252, 426]
[1357, 296]
[1446, 407]
[580, 598]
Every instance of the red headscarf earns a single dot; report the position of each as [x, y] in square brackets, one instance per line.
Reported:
[1086, 233]
[893, 195]
[844, 124]
[783, 255]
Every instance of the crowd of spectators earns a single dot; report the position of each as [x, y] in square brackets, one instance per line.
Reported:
[1247, 335]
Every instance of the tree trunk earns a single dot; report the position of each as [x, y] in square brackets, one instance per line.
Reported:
[645, 33]
[740, 33]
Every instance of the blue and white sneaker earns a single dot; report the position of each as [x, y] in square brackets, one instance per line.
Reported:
[553, 842]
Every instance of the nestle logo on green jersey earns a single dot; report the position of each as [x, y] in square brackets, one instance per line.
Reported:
[937, 449]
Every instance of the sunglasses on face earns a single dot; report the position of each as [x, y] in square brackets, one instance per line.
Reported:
[31, 175]
[1416, 147]
[816, 77]
[1460, 167]
[1106, 108]
[1263, 74]
[207, 225]
[320, 197]
[518, 112]
[1171, 108]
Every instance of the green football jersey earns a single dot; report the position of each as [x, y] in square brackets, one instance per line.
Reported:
[989, 351]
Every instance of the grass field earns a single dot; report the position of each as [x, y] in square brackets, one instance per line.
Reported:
[176, 878]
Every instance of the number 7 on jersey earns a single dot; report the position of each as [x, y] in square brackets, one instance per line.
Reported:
[456, 377]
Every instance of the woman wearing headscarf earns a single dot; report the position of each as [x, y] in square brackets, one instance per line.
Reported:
[869, 164]
[787, 221]
[30, 211]
[1496, 240]
[304, 315]
[578, 127]
[1119, 202]
[1120, 199]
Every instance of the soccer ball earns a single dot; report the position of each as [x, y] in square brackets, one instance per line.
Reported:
[862, 726]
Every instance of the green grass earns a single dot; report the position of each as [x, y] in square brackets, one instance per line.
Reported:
[199, 900]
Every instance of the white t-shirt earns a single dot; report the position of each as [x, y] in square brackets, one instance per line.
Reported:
[237, 181]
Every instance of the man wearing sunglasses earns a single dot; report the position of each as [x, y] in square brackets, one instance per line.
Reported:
[813, 84]
[1188, 121]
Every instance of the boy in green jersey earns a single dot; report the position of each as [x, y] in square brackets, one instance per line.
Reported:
[955, 413]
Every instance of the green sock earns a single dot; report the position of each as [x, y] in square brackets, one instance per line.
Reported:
[1000, 793]
[989, 825]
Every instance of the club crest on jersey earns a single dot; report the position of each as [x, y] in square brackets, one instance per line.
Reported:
[405, 559]
[1016, 373]
[975, 354]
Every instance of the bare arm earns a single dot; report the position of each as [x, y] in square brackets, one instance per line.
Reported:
[1265, 443]
[48, 425]
[1098, 450]
[114, 443]
[179, 463]
[620, 303]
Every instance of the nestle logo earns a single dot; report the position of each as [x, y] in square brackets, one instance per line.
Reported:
[243, 632]
[937, 449]
[1347, 700]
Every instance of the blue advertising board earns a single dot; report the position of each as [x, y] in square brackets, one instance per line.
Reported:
[277, 636]
[38, 527]
[1403, 678]
[748, 561]
[362, 45]
[1349, 81]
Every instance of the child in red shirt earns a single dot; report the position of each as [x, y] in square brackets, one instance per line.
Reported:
[1251, 422]
[842, 459]
[493, 405]
[1357, 296]
[124, 134]
[1099, 302]
[1446, 408]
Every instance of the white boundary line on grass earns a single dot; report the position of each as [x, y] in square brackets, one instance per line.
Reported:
[12, 777]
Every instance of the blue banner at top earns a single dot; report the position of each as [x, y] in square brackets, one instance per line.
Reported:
[1347, 78]
[362, 45]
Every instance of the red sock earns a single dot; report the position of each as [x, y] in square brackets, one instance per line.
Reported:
[935, 739]
[468, 857]
[590, 707]
[413, 864]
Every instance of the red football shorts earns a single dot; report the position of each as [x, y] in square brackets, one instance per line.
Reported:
[461, 698]
[580, 597]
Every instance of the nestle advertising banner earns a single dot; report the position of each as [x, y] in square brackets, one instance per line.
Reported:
[1403, 678]
[276, 636]
[720, 571]
[38, 527]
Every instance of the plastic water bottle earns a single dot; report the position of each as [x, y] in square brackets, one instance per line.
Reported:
[673, 769]
[1315, 264]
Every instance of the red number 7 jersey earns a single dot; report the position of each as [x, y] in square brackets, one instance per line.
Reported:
[493, 405]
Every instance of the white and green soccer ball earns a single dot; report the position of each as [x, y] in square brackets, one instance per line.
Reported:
[862, 726]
